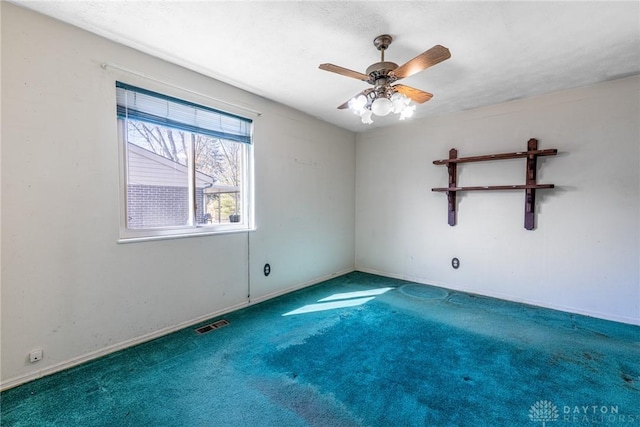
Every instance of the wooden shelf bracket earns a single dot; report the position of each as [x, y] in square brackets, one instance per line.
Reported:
[453, 178]
[529, 187]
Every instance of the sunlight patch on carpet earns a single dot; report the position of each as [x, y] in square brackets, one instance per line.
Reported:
[357, 294]
[310, 308]
[340, 300]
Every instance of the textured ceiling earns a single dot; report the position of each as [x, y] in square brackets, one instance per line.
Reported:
[500, 51]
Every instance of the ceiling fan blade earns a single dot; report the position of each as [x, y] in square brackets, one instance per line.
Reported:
[431, 57]
[364, 92]
[416, 95]
[344, 106]
[344, 71]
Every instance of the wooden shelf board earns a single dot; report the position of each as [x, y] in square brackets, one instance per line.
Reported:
[502, 156]
[495, 187]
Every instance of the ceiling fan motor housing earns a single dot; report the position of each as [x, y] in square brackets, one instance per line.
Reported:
[381, 70]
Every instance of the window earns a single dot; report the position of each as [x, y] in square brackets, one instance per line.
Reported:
[186, 167]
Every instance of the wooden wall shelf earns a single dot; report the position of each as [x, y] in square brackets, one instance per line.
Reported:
[530, 186]
[502, 156]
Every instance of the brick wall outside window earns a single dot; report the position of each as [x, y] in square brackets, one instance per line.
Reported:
[151, 206]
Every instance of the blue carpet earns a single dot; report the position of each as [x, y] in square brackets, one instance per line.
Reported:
[358, 350]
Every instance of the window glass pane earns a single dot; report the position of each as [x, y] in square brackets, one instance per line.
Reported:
[219, 165]
[157, 176]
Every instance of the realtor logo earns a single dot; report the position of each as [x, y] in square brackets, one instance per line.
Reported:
[543, 410]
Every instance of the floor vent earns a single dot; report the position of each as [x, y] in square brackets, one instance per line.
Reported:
[215, 325]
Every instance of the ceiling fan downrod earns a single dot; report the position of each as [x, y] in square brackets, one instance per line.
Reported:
[382, 43]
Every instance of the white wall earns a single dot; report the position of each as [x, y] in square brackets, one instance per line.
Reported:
[584, 255]
[67, 286]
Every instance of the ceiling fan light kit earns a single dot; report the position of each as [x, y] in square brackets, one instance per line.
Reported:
[384, 97]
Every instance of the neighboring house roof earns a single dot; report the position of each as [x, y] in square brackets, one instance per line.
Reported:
[148, 168]
[215, 189]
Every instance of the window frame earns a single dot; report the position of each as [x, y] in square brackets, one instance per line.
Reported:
[247, 196]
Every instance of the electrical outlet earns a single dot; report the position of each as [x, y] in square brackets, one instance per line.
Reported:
[35, 356]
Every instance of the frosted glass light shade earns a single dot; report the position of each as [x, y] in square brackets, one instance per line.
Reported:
[407, 112]
[399, 102]
[366, 117]
[381, 107]
[358, 102]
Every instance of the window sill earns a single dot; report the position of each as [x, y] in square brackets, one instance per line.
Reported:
[145, 236]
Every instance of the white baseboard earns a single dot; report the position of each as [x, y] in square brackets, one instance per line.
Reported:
[22, 379]
[566, 309]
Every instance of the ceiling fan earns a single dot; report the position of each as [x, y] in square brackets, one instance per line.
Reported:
[384, 97]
